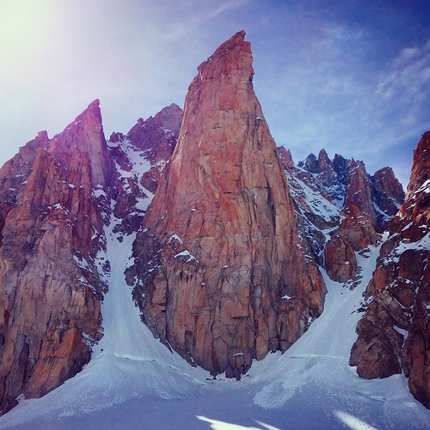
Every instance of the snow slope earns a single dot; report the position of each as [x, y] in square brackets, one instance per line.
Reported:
[127, 362]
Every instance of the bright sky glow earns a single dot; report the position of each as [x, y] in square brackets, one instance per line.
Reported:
[352, 77]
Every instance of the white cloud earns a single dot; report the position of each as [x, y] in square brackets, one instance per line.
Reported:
[408, 75]
[339, 95]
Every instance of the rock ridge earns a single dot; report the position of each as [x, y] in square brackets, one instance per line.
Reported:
[394, 331]
[51, 229]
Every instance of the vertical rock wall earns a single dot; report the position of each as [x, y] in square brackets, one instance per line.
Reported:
[393, 335]
[221, 274]
[51, 229]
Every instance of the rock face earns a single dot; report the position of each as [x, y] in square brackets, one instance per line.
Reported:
[341, 208]
[285, 158]
[156, 137]
[358, 192]
[393, 335]
[340, 259]
[347, 183]
[221, 274]
[50, 230]
[354, 234]
[140, 155]
[388, 190]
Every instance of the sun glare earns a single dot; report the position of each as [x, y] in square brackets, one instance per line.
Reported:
[22, 25]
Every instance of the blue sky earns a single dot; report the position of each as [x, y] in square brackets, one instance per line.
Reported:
[351, 77]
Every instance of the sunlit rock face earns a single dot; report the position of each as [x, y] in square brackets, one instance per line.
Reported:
[358, 192]
[393, 335]
[221, 274]
[51, 229]
[355, 233]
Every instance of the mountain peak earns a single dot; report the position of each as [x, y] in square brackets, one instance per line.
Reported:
[324, 162]
[237, 41]
[234, 55]
[222, 192]
[91, 113]
[85, 134]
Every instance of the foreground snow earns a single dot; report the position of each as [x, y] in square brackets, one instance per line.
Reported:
[134, 382]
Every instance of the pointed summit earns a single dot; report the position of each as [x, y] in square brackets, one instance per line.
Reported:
[50, 232]
[324, 162]
[421, 165]
[89, 120]
[213, 270]
[228, 56]
[85, 135]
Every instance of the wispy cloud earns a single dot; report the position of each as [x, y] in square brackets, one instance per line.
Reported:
[405, 82]
[190, 15]
[339, 95]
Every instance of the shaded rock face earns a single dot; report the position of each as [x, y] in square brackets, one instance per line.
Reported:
[363, 205]
[340, 260]
[325, 169]
[341, 208]
[140, 157]
[51, 229]
[157, 135]
[393, 335]
[220, 271]
[388, 191]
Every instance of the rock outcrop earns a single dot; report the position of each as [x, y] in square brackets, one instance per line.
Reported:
[393, 335]
[221, 274]
[354, 234]
[342, 208]
[388, 191]
[340, 260]
[156, 137]
[285, 158]
[358, 192]
[51, 229]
